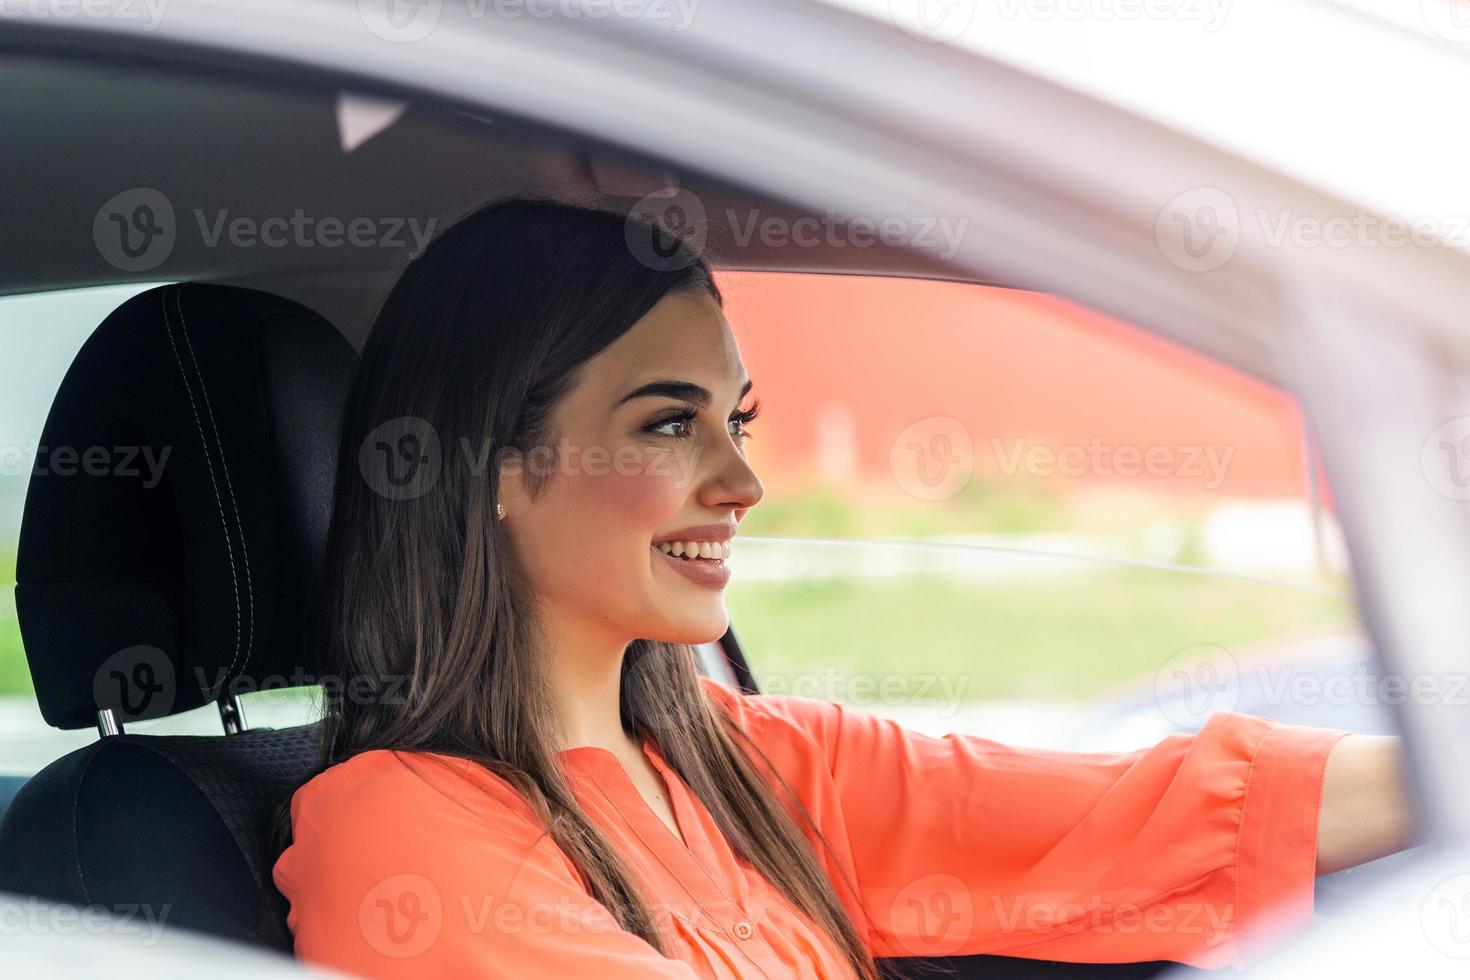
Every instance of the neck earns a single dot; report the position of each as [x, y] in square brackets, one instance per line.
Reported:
[586, 687]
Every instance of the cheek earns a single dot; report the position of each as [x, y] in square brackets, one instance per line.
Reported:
[644, 494]
[630, 497]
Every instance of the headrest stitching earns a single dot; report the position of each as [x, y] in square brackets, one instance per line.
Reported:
[209, 463]
[224, 466]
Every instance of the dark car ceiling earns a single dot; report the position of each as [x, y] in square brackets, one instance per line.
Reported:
[79, 132]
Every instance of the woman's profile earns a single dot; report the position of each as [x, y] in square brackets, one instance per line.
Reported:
[524, 774]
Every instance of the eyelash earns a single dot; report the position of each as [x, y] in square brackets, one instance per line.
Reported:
[688, 415]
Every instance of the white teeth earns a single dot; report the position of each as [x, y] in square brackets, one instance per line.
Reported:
[700, 549]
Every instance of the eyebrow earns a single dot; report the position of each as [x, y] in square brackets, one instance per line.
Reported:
[682, 390]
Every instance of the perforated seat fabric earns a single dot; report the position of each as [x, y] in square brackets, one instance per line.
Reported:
[173, 829]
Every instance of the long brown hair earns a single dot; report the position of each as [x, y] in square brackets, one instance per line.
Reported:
[420, 593]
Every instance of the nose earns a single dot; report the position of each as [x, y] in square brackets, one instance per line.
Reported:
[731, 480]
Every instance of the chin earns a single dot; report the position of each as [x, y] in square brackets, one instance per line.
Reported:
[694, 630]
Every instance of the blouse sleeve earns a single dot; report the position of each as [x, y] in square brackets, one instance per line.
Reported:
[395, 870]
[962, 845]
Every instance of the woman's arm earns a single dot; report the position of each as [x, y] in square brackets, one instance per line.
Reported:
[1365, 810]
[1190, 850]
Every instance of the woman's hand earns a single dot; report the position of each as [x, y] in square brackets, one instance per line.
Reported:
[1365, 810]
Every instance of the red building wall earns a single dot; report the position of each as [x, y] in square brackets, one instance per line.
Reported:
[1010, 365]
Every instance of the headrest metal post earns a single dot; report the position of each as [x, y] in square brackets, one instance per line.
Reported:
[107, 723]
[232, 714]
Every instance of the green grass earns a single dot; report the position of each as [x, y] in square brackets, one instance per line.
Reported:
[15, 677]
[1071, 636]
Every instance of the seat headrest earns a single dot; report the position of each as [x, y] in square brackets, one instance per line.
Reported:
[179, 504]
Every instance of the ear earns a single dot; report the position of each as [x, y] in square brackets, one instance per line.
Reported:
[511, 486]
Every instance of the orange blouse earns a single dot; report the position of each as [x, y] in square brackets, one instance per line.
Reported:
[409, 864]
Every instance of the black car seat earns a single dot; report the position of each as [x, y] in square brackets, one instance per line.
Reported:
[146, 589]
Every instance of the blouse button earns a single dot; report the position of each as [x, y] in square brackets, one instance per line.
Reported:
[744, 930]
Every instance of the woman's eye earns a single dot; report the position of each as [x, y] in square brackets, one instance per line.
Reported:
[680, 423]
[746, 417]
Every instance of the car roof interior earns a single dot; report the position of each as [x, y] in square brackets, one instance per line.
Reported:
[222, 144]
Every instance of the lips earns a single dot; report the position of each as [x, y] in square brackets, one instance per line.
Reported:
[711, 573]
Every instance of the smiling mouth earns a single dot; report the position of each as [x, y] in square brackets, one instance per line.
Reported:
[694, 550]
[711, 573]
[707, 561]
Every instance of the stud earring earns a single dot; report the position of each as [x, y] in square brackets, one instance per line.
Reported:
[500, 510]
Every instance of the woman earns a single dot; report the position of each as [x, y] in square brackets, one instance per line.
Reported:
[542, 467]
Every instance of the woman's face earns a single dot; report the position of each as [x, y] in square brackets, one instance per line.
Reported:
[649, 450]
